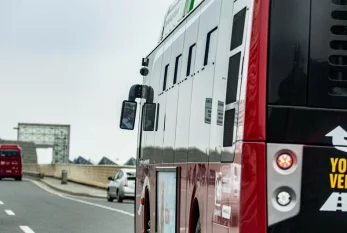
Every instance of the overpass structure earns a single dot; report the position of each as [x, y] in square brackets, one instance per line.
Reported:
[47, 136]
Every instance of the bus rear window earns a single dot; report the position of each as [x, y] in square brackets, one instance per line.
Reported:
[9, 153]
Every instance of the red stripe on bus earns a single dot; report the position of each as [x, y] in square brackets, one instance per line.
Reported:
[255, 109]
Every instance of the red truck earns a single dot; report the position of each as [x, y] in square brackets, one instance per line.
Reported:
[11, 161]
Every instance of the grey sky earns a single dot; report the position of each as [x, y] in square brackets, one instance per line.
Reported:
[72, 62]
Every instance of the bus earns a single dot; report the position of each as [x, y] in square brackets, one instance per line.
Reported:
[242, 119]
[11, 161]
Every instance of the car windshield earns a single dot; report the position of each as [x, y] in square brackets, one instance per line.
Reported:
[9, 153]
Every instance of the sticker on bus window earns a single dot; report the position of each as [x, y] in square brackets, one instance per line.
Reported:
[208, 110]
[220, 113]
[226, 212]
[218, 189]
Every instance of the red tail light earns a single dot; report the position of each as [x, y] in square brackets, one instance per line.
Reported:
[285, 161]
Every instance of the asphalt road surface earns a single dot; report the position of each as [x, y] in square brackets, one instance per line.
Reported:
[33, 208]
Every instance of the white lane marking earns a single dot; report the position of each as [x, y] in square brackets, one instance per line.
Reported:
[26, 229]
[1, 203]
[80, 201]
[9, 212]
[97, 205]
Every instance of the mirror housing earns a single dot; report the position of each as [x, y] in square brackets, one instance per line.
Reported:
[110, 178]
[128, 115]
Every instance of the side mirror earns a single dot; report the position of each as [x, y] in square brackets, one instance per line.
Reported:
[127, 120]
[148, 116]
[110, 178]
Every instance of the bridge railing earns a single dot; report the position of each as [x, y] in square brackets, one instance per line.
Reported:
[94, 175]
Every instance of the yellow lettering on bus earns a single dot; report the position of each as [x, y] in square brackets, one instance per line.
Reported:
[333, 164]
[342, 165]
[340, 181]
[333, 179]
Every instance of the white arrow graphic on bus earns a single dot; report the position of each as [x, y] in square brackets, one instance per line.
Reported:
[339, 134]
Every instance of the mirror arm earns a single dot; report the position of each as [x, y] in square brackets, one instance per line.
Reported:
[148, 93]
[141, 91]
[135, 92]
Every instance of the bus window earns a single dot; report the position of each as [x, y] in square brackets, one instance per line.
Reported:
[165, 76]
[233, 76]
[156, 123]
[211, 36]
[9, 153]
[190, 57]
[340, 2]
[238, 27]
[229, 128]
[177, 66]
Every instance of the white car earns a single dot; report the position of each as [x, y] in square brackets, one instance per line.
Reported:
[122, 185]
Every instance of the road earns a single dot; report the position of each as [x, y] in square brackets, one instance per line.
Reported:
[33, 208]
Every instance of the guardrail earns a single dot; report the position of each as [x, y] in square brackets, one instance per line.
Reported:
[32, 174]
[93, 175]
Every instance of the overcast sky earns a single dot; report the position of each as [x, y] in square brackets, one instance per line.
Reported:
[72, 62]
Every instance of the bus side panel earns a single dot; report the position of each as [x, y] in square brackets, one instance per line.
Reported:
[183, 114]
[224, 178]
[158, 156]
[160, 134]
[214, 199]
[184, 98]
[147, 144]
[220, 81]
[202, 108]
[165, 73]
[149, 153]
[203, 79]
[172, 92]
[147, 137]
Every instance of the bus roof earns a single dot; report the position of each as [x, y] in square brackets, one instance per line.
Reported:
[10, 146]
[175, 28]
